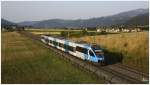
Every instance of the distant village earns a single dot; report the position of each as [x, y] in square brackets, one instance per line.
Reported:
[119, 29]
[115, 29]
[111, 29]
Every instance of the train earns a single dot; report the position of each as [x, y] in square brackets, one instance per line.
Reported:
[90, 52]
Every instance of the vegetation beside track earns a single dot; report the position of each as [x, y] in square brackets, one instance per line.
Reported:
[66, 32]
[133, 47]
[28, 61]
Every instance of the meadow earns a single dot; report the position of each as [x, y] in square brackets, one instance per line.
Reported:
[133, 46]
[26, 61]
[48, 30]
[53, 31]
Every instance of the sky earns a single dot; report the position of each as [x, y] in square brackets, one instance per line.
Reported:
[18, 11]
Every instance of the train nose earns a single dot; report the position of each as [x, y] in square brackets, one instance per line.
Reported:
[101, 58]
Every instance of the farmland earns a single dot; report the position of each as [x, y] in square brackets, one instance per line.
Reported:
[28, 61]
[133, 46]
[55, 31]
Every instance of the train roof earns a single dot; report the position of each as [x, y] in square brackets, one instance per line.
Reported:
[79, 42]
[61, 38]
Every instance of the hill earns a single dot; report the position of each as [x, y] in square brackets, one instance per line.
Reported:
[142, 19]
[93, 22]
[27, 23]
[5, 22]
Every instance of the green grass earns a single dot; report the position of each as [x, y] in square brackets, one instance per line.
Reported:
[53, 31]
[49, 30]
[28, 61]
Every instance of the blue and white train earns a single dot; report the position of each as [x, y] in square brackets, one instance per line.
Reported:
[90, 52]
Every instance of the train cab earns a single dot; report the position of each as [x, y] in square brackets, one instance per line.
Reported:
[96, 54]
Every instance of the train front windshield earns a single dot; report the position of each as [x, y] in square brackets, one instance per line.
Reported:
[98, 50]
[99, 53]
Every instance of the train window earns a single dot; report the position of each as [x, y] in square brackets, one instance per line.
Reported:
[61, 45]
[91, 53]
[96, 47]
[71, 48]
[55, 43]
[65, 46]
[80, 49]
[50, 41]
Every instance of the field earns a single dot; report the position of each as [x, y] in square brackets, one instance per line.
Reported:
[53, 31]
[133, 47]
[26, 61]
[48, 30]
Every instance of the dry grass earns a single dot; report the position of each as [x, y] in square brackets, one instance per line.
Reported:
[133, 46]
[28, 61]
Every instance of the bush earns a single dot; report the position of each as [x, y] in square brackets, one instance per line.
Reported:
[64, 33]
[84, 32]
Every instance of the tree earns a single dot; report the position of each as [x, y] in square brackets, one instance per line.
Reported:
[84, 32]
[64, 33]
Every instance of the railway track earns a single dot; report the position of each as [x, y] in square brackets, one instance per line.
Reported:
[132, 70]
[124, 74]
[116, 73]
[142, 74]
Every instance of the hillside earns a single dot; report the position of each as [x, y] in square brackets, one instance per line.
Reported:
[142, 19]
[107, 20]
[6, 23]
[27, 23]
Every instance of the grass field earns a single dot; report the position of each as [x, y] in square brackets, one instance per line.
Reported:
[26, 61]
[52, 31]
[48, 30]
[133, 46]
